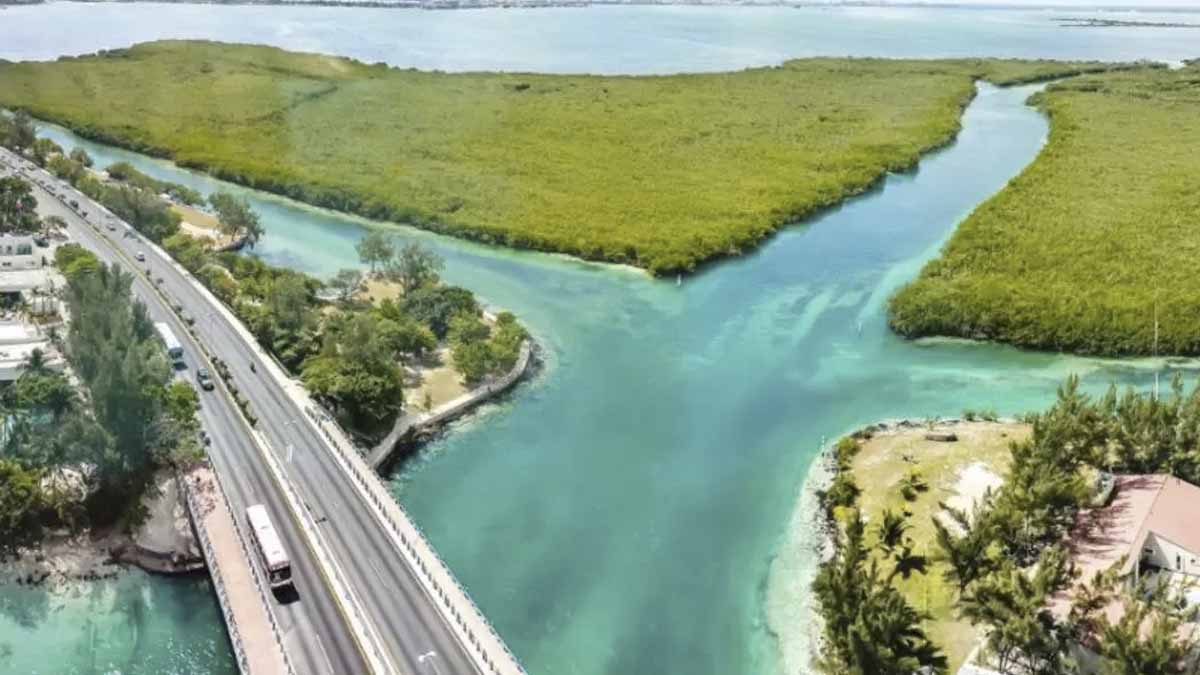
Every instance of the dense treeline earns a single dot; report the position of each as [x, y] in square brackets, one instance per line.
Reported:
[660, 172]
[126, 173]
[77, 458]
[1089, 250]
[1007, 557]
[349, 352]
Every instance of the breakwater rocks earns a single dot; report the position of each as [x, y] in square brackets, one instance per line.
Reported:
[62, 558]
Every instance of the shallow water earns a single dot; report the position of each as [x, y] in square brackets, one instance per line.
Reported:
[135, 624]
[620, 513]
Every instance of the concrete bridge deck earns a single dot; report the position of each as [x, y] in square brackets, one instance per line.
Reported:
[236, 579]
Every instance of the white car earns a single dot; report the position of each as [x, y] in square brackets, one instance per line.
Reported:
[139, 256]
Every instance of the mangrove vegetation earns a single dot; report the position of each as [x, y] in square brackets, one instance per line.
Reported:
[1089, 250]
[662, 172]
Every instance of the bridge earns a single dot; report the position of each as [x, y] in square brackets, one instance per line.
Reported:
[371, 593]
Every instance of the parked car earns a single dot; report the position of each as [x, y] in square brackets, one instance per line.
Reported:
[204, 379]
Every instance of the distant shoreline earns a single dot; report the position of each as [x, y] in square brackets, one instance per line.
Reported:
[541, 4]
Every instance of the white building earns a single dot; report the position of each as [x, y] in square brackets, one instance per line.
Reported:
[17, 342]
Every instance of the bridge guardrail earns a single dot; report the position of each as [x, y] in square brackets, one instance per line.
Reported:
[416, 546]
[255, 574]
[214, 572]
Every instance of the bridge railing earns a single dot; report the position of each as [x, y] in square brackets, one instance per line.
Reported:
[490, 649]
[214, 567]
[264, 589]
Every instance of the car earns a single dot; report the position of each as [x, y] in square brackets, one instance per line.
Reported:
[139, 256]
[111, 227]
[204, 379]
[74, 204]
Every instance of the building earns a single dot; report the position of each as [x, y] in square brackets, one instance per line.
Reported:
[17, 342]
[1150, 523]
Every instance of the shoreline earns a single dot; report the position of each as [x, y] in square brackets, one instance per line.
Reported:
[806, 543]
[411, 432]
[164, 544]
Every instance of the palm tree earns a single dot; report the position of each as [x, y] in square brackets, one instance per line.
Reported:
[36, 363]
[870, 628]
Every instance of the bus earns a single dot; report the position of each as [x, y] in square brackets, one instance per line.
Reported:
[270, 549]
[174, 348]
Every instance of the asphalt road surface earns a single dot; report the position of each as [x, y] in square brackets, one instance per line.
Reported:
[316, 636]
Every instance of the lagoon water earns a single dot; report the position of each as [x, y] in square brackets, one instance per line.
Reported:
[621, 512]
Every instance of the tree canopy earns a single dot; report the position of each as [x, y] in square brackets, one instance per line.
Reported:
[18, 208]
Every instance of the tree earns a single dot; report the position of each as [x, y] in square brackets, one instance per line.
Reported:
[181, 404]
[18, 208]
[415, 266]
[21, 133]
[356, 374]
[65, 168]
[82, 157]
[44, 149]
[346, 283]
[21, 505]
[375, 250]
[406, 337]
[1149, 638]
[870, 629]
[54, 223]
[143, 210]
[968, 555]
[466, 328]
[1023, 636]
[125, 370]
[435, 306]
[236, 217]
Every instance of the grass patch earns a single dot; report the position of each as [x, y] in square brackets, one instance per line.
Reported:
[879, 468]
[1076, 252]
[663, 172]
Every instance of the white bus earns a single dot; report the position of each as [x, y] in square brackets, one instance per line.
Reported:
[174, 347]
[270, 549]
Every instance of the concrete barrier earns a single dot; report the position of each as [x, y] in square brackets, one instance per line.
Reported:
[410, 425]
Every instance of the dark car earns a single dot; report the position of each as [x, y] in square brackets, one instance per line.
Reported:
[204, 379]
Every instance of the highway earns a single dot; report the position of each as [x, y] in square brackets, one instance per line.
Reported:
[414, 635]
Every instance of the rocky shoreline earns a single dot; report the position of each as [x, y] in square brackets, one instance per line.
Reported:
[164, 544]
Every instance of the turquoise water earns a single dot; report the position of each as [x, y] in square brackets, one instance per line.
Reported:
[134, 625]
[620, 513]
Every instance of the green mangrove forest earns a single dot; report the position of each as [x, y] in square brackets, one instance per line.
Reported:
[662, 172]
[1090, 249]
